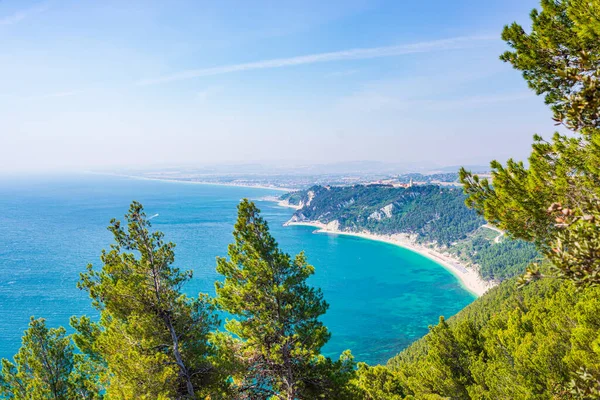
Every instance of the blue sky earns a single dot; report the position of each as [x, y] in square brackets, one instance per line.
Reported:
[89, 84]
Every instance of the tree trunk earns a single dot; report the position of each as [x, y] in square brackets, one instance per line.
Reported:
[178, 359]
[289, 379]
[291, 395]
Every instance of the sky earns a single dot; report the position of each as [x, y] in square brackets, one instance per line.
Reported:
[90, 84]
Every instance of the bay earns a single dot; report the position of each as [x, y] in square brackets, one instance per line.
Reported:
[382, 297]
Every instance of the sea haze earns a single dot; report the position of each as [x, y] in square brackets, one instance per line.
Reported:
[381, 297]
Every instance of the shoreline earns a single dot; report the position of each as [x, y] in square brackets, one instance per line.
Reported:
[286, 204]
[468, 278]
[145, 178]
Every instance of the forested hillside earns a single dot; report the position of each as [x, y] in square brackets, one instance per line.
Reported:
[538, 342]
[436, 215]
[497, 256]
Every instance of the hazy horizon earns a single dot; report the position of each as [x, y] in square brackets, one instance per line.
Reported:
[361, 168]
[145, 84]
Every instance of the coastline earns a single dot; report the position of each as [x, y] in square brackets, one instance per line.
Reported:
[468, 277]
[286, 204]
[145, 178]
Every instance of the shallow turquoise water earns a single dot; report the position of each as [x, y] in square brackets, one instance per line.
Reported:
[381, 297]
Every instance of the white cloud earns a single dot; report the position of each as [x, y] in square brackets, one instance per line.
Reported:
[352, 54]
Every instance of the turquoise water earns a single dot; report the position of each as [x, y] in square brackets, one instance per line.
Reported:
[381, 297]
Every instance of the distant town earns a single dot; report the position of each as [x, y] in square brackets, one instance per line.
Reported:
[288, 179]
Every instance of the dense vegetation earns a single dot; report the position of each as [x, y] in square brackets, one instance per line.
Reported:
[435, 214]
[497, 257]
[448, 177]
[555, 201]
[503, 260]
[277, 335]
[536, 337]
[513, 343]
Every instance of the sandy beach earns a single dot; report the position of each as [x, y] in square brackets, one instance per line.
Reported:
[468, 277]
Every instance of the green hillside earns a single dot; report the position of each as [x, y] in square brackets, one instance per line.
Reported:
[436, 215]
[529, 343]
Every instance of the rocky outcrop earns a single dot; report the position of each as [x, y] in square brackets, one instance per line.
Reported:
[376, 215]
[333, 226]
[347, 203]
[387, 210]
[311, 196]
[384, 212]
[298, 217]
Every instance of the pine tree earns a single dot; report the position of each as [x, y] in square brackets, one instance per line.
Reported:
[555, 201]
[559, 59]
[278, 335]
[46, 367]
[152, 340]
[378, 383]
[448, 361]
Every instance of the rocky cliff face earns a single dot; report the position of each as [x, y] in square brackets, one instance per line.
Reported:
[333, 226]
[387, 210]
[382, 213]
[298, 217]
[311, 196]
[299, 199]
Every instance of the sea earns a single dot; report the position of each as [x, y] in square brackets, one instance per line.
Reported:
[381, 297]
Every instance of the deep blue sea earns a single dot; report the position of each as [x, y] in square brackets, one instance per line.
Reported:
[381, 297]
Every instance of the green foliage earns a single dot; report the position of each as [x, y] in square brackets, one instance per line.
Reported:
[545, 346]
[436, 214]
[505, 259]
[151, 340]
[554, 201]
[576, 252]
[538, 342]
[560, 57]
[497, 260]
[293, 198]
[444, 368]
[378, 383]
[277, 332]
[47, 368]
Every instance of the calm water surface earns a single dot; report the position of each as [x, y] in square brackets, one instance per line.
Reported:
[381, 297]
